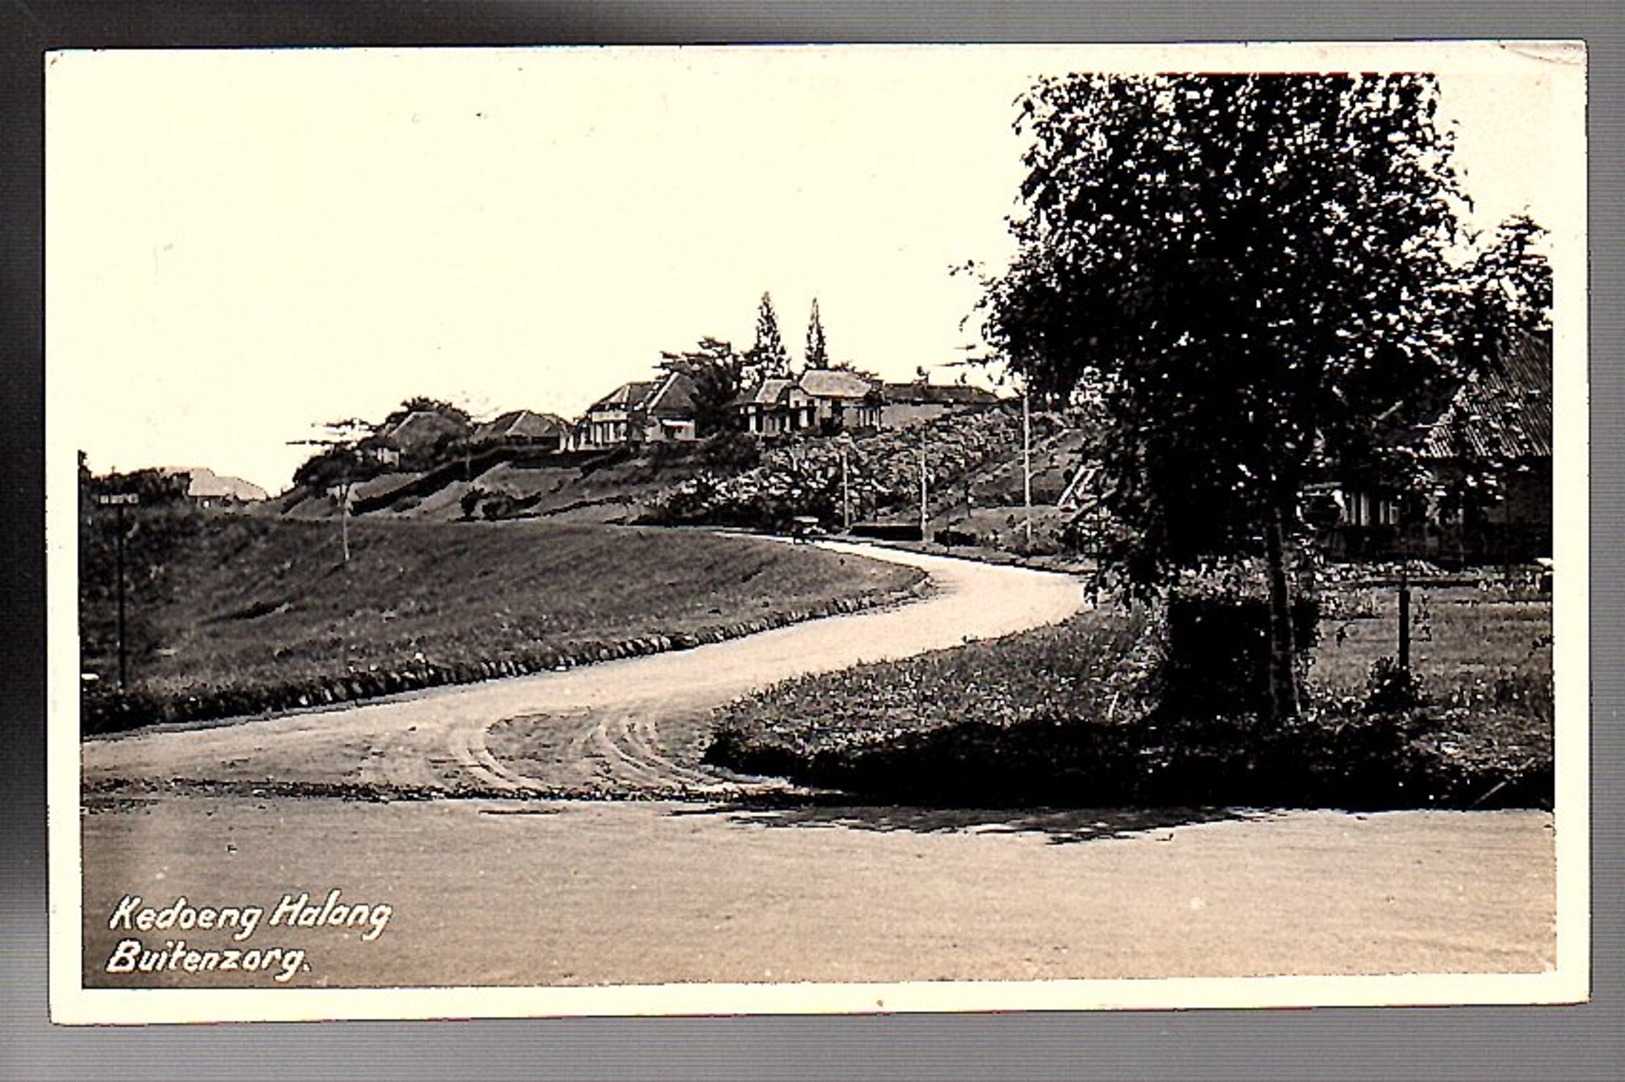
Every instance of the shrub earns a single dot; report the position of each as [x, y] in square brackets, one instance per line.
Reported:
[1392, 688]
[1218, 649]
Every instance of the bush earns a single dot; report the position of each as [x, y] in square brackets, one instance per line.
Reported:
[1218, 650]
[1392, 688]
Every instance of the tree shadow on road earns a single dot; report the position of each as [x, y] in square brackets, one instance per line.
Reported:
[1061, 826]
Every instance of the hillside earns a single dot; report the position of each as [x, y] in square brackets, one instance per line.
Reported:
[237, 610]
[973, 468]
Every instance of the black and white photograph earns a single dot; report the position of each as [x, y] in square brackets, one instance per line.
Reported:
[815, 529]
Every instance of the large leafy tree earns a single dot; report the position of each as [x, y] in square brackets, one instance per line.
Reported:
[1250, 271]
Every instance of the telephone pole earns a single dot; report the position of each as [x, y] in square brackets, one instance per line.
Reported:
[120, 501]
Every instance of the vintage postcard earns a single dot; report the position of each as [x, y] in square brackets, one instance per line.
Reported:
[619, 531]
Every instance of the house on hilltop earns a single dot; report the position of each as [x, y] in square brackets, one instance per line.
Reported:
[421, 431]
[907, 403]
[206, 488]
[643, 411]
[524, 428]
[774, 407]
[826, 399]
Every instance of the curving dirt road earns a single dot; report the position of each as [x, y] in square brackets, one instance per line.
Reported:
[636, 724]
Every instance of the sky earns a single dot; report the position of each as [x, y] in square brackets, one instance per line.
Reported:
[244, 244]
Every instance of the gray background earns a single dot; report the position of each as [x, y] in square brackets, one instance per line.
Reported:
[1554, 1042]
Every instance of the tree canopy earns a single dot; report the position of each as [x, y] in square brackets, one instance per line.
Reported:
[1251, 270]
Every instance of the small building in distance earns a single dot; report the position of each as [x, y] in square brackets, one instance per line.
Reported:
[774, 407]
[523, 428]
[643, 411]
[206, 488]
[421, 432]
[818, 399]
[1486, 457]
[906, 403]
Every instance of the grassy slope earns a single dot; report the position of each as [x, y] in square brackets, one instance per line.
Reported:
[238, 600]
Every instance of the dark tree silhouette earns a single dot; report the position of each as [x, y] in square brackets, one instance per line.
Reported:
[1249, 271]
[817, 349]
[768, 356]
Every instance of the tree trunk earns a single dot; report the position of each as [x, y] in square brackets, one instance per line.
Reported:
[1283, 678]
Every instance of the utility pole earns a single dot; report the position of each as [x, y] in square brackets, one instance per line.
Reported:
[344, 517]
[1027, 459]
[846, 487]
[1404, 621]
[120, 501]
[924, 515]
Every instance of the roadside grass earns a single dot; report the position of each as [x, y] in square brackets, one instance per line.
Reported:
[238, 613]
[1471, 645]
[1069, 716]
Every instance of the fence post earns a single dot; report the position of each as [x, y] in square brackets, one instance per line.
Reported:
[1404, 622]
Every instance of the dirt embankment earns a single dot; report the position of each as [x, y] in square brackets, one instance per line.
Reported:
[233, 614]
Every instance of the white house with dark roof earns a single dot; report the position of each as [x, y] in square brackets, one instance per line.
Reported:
[643, 411]
[817, 398]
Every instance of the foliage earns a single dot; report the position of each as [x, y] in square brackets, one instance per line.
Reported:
[768, 358]
[1392, 688]
[152, 487]
[817, 349]
[1253, 268]
[424, 404]
[717, 373]
[803, 475]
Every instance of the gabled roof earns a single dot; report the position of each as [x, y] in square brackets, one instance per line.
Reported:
[1502, 411]
[769, 392]
[420, 429]
[672, 395]
[521, 425]
[834, 383]
[930, 394]
[628, 396]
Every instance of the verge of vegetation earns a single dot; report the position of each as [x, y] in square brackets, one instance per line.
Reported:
[1076, 715]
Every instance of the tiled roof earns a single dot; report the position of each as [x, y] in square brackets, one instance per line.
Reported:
[920, 394]
[628, 396]
[766, 393]
[834, 383]
[521, 424]
[1503, 411]
[420, 429]
[671, 394]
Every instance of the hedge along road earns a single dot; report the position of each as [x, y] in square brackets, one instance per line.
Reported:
[634, 724]
[544, 892]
